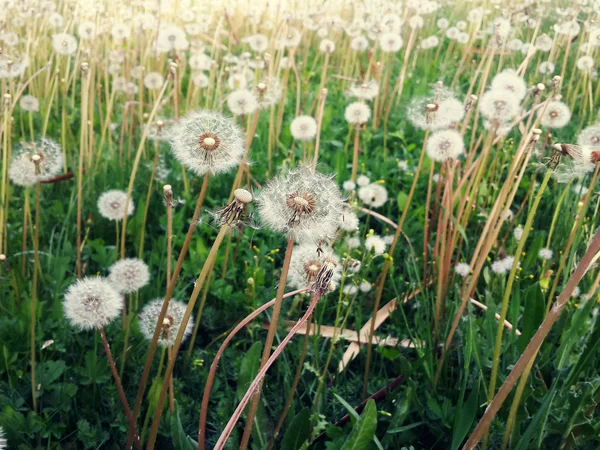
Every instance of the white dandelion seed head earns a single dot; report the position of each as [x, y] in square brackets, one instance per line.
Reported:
[200, 79]
[291, 37]
[545, 254]
[349, 221]
[430, 42]
[257, 42]
[373, 195]
[503, 265]
[367, 90]
[403, 165]
[518, 232]
[365, 286]
[462, 269]
[207, 141]
[362, 180]
[443, 23]
[87, 30]
[268, 92]
[544, 43]
[327, 46]
[148, 318]
[579, 189]
[64, 44]
[171, 37]
[242, 102]
[200, 61]
[445, 145]
[589, 136]
[153, 81]
[45, 154]
[499, 106]
[303, 203]
[350, 289]
[352, 242]
[569, 28]
[120, 31]
[55, 20]
[111, 205]
[509, 81]
[463, 38]
[388, 239]
[91, 303]
[303, 128]
[357, 113]
[585, 63]
[515, 45]
[29, 103]
[416, 22]
[448, 111]
[546, 68]
[306, 263]
[390, 42]
[376, 244]
[349, 185]
[129, 275]
[452, 33]
[576, 292]
[556, 115]
[359, 43]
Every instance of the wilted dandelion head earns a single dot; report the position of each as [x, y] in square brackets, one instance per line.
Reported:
[357, 113]
[148, 319]
[92, 303]
[556, 115]
[268, 92]
[445, 145]
[509, 81]
[111, 204]
[303, 203]
[64, 44]
[35, 162]
[375, 244]
[373, 195]
[207, 141]
[303, 128]
[128, 275]
[589, 136]
[499, 106]
[234, 214]
[242, 102]
[308, 266]
[29, 103]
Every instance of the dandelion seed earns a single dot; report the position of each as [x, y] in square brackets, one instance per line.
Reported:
[206, 141]
[129, 275]
[148, 318]
[91, 303]
[111, 205]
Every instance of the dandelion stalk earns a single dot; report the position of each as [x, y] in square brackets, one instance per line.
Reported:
[36, 262]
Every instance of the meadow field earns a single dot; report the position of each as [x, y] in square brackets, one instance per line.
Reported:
[282, 224]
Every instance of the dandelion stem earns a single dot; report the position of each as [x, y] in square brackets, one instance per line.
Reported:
[36, 262]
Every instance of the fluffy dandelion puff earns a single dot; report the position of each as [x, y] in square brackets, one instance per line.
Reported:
[362, 180]
[349, 185]
[390, 42]
[518, 232]
[153, 81]
[376, 244]
[509, 81]
[303, 203]
[359, 43]
[128, 275]
[207, 141]
[352, 242]
[357, 113]
[29, 103]
[327, 46]
[303, 128]
[92, 303]
[499, 106]
[307, 262]
[64, 44]
[111, 205]
[545, 254]
[349, 220]
[556, 115]
[365, 286]
[373, 195]
[148, 319]
[365, 91]
[589, 136]
[242, 102]
[445, 145]
[462, 269]
[268, 92]
[503, 265]
[35, 162]
[257, 42]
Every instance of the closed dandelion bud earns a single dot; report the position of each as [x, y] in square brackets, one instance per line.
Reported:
[168, 194]
[92, 303]
[234, 214]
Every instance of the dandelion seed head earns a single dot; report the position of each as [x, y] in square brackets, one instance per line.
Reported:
[29, 103]
[153, 81]
[349, 221]
[111, 205]
[499, 106]
[462, 269]
[376, 244]
[545, 254]
[303, 128]
[303, 203]
[171, 37]
[268, 92]
[357, 113]
[367, 90]
[359, 43]
[585, 63]
[207, 141]
[35, 162]
[590, 136]
[373, 195]
[91, 302]
[64, 44]
[362, 180]
[556, 115]
[306, 264]
[365, 286]
[518, 232]
[445, 145]
[390, 42]
[509, 81]
[129, 275]
[242, 102]
[349, 185]
[148, 318]
[257, 42]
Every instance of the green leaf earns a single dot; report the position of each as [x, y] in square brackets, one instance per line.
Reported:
[364, 429]
[249, 368]
[50, 371]
[534, 426]
[298, 432]
[535, 310]
[465, 418]
[402, 199]
[181, 441]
